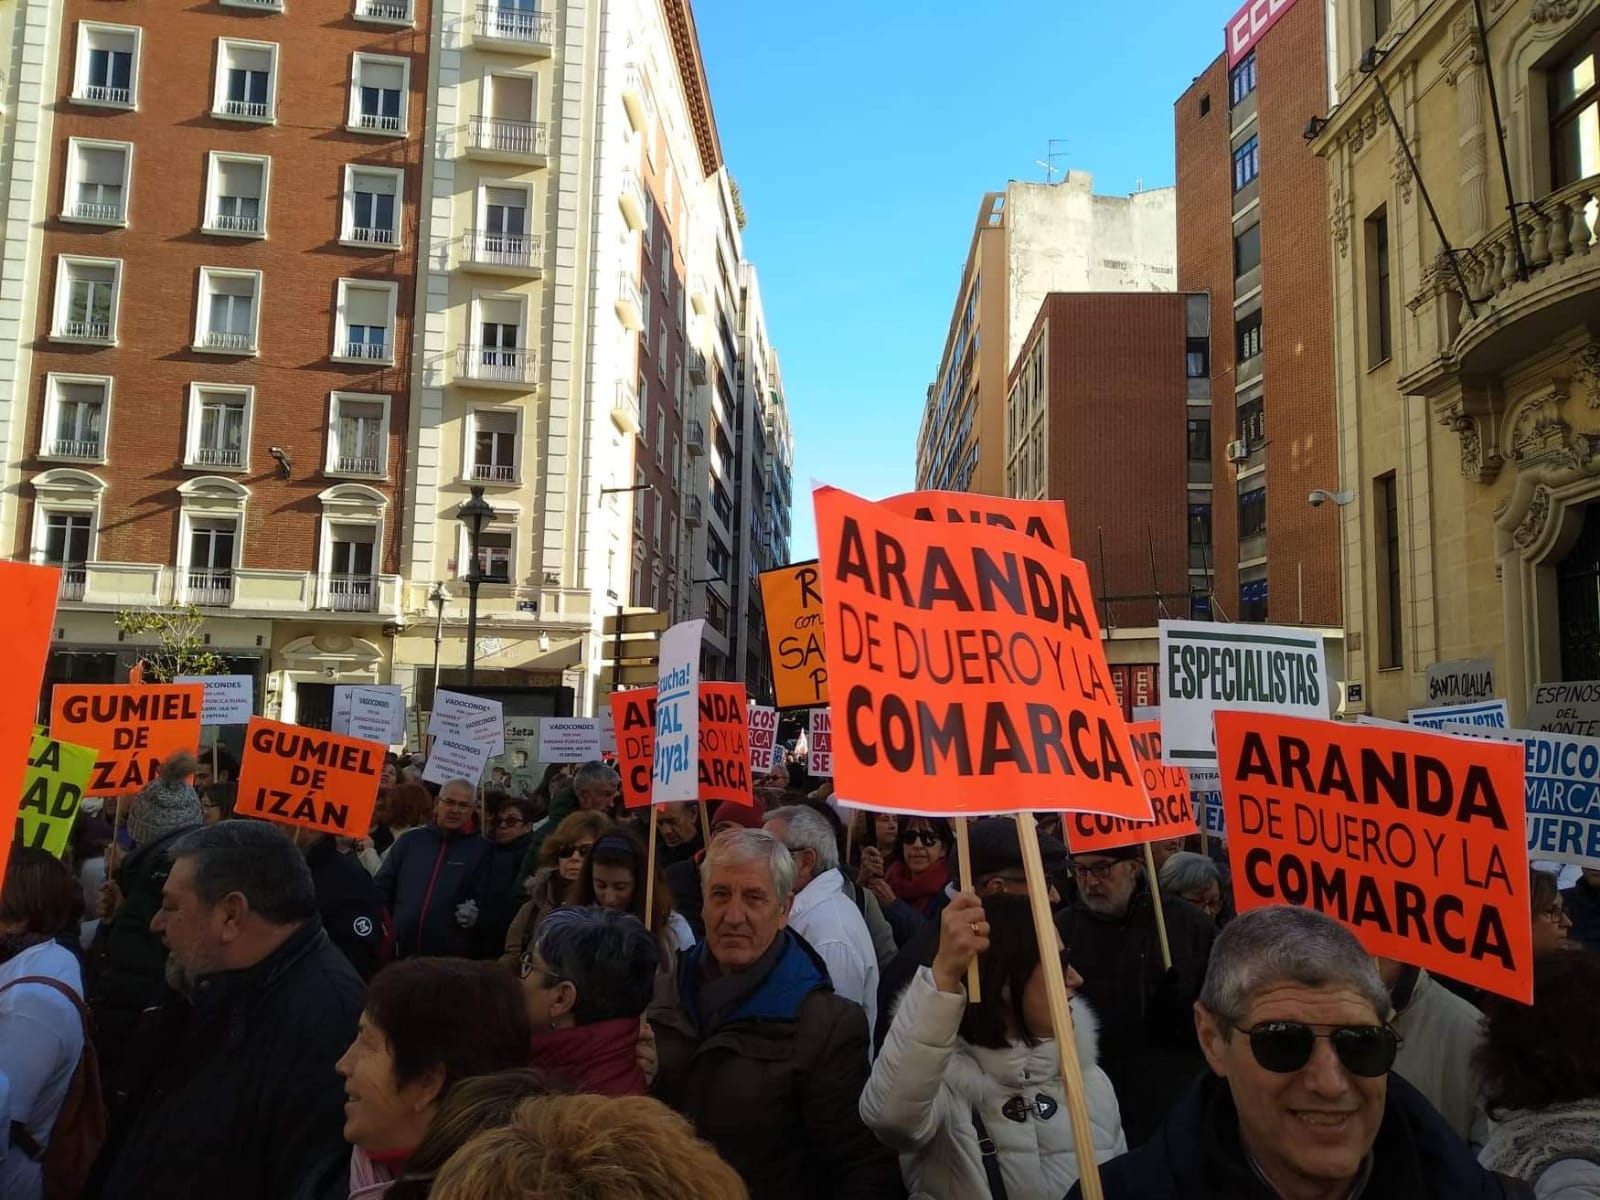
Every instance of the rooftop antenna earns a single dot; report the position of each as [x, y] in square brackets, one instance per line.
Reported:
[1049, 160]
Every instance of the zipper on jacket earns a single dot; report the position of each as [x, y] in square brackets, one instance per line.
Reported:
[427, 896]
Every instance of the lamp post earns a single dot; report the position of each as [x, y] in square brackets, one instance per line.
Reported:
[474, 515]
[438, 598]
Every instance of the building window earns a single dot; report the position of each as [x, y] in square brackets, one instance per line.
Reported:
[1381, 16]
[1253, 422]
[1197, 358]
[1242, 80]
[350, 564]
[371, 204]
[107, 69]
[498, 354]
[1252, 512]
[1379, 320]
[86, 299]
[503, 237]
[1247, 251]
[364, 321]
[236, 194]
[1250, 336]
[219, 427]
[229, 311]
[1205, 104]
[358, 434]
[1246, 162]
[377, 95]
[208, 573]
[494, 446]
[1199, 440]
[1386, 532]
[1575, 115]
[66, 538]
[76, 415]
[1199, 526]
[96, 189]
[1253, 600]
[1199, 604]
[247, 77]
[66, 525]
[494, 555]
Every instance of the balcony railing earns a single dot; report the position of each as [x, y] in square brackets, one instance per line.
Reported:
[697, 365]
[374, 236]
[1563, 225]
[358, 464]
[75, 447]
[507, 135]
[351, 593]
[212, 456]
[377, 350]
[217, 339]
[85, 210]
[693, 514]
[209, 588]
[398, 11]
[236, 223]
[494, 473]
[694, 436]
[491, 364]
[74, 578]
[101, 94]
[512, 251]
[515, 25]
[273, 5]
[384, 122]
[87, 331]
[253, 109]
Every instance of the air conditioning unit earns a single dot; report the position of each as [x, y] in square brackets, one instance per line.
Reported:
[1238, 451]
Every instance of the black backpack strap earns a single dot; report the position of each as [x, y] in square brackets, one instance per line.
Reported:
[991, 1156]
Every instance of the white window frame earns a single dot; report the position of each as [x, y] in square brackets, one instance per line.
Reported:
[64, 490]
[469, 444]
[209, 498]
[349, 504]
[214, 160]
[504, 522]
[660, 435]
[480, 212]
[486, 89]
[347, 208]
[330, 466]
[353, 116]
[219, 85]
[63, 295]
[80, 75]
[341, 329]
[661, 352]
[203, 311]
[475, 312]
[52, 397]
[191, 445]
[69, 189]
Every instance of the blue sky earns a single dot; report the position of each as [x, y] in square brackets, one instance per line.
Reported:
[863, 135]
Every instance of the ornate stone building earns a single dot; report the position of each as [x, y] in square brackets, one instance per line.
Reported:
[1467, 339]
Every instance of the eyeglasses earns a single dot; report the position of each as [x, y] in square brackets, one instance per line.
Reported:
[529, 965]
[1283, 1047]
[1100, 870]
[581, 849]
[510, 821]
[1210, 907]
[1555, 913]
[925, 837]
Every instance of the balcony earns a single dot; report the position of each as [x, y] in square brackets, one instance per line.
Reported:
[692, 512]
[384, 12]
[210, 456]
[518, 30]
[103, 214]
[85, 331]
[625, 408]
[491, 366]
[90, 448]
[366, 236]
[255, 5]
[234, 223]
[350, 593]
[630, 309]
[96, 93]
[694, 438]
[392, 124]
[358, 464]
[208, 589]
[245, 110]
[506, 139]
[365, 352]
[520, 254]
[697, 366]
[74, 577]
[631, 198]
[224, 342]
[634, 97]
[494, 473]
[699, 293]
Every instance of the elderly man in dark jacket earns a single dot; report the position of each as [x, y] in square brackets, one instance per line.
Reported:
[432, 879]
[755, 1048]
[1147, 1040]
[1299, 1100]
[238, 1095]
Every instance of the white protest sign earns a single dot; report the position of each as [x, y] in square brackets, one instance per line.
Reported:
[229, 699]
[675, 767]
[569, 739]
[455, 757]
[473, 716]
[1561, 778]
[819, 754]
[763, 738]
[1464, 681]
[1205, 797]
[608, 730]
[1206, 666]
[1572, 708]
[376, 713]
[1490, 714]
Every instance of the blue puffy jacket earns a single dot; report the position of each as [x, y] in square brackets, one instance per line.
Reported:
[427, 875]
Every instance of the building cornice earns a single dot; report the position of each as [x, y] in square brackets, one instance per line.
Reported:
[696, 91]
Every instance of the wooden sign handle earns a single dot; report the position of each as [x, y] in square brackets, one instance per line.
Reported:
[1060, 1012]
[1161, 916]
[650, 868]
[705, 824]
[964, 867]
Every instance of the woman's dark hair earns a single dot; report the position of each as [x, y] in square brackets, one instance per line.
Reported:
[410, 805]
[466, 1110]
[1548, 1052]
[222, 796]
[1544, 891]
[573, 828]
[1003, 974]
[547, 783]
[610, 958]
[40, 892]
[623, 848]
[494, 799]
[468, 1018]
[939, 825]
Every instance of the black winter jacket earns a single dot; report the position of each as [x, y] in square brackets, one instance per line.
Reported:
[500, 899]
[429, 873]
[239, 1094]
[347, 901]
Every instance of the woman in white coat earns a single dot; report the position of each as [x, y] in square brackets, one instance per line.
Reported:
[971, 1095]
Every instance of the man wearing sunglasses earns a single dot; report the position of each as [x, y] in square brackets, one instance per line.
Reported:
[1300, 1104]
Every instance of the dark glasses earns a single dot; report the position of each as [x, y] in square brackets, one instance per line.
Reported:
[581, 849]
[926, 837]
[1283, 1047]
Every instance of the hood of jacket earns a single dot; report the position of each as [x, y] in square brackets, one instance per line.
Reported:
[980, 1074]
[1524, 1143]
[601, 1058]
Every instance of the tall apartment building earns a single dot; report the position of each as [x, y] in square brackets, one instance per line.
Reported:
[1252, 221]
[218, 396]
[1029, 240]
[1467, 352]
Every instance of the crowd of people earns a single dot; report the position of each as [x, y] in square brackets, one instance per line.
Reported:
[494, 996]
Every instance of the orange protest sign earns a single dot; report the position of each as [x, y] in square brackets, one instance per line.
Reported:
[1412, 839]
[299, 776]
[724, 755]
[30, 594]
[1043, 520]
[1168, 788]
[132, 728]
[966, 669]
[791, 604]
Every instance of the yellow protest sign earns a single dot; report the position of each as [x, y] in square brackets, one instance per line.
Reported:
[52, 791]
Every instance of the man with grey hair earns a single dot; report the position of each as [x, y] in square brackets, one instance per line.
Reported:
[1195, 878]
[822, 913]
[754, 1047]
[1300, 1104]
[432, 878]
[237, 1094]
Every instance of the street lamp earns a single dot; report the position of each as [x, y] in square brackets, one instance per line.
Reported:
[438, 598]
[474, 515]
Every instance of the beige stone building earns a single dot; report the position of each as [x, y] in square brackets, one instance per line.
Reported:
[1467, 350]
